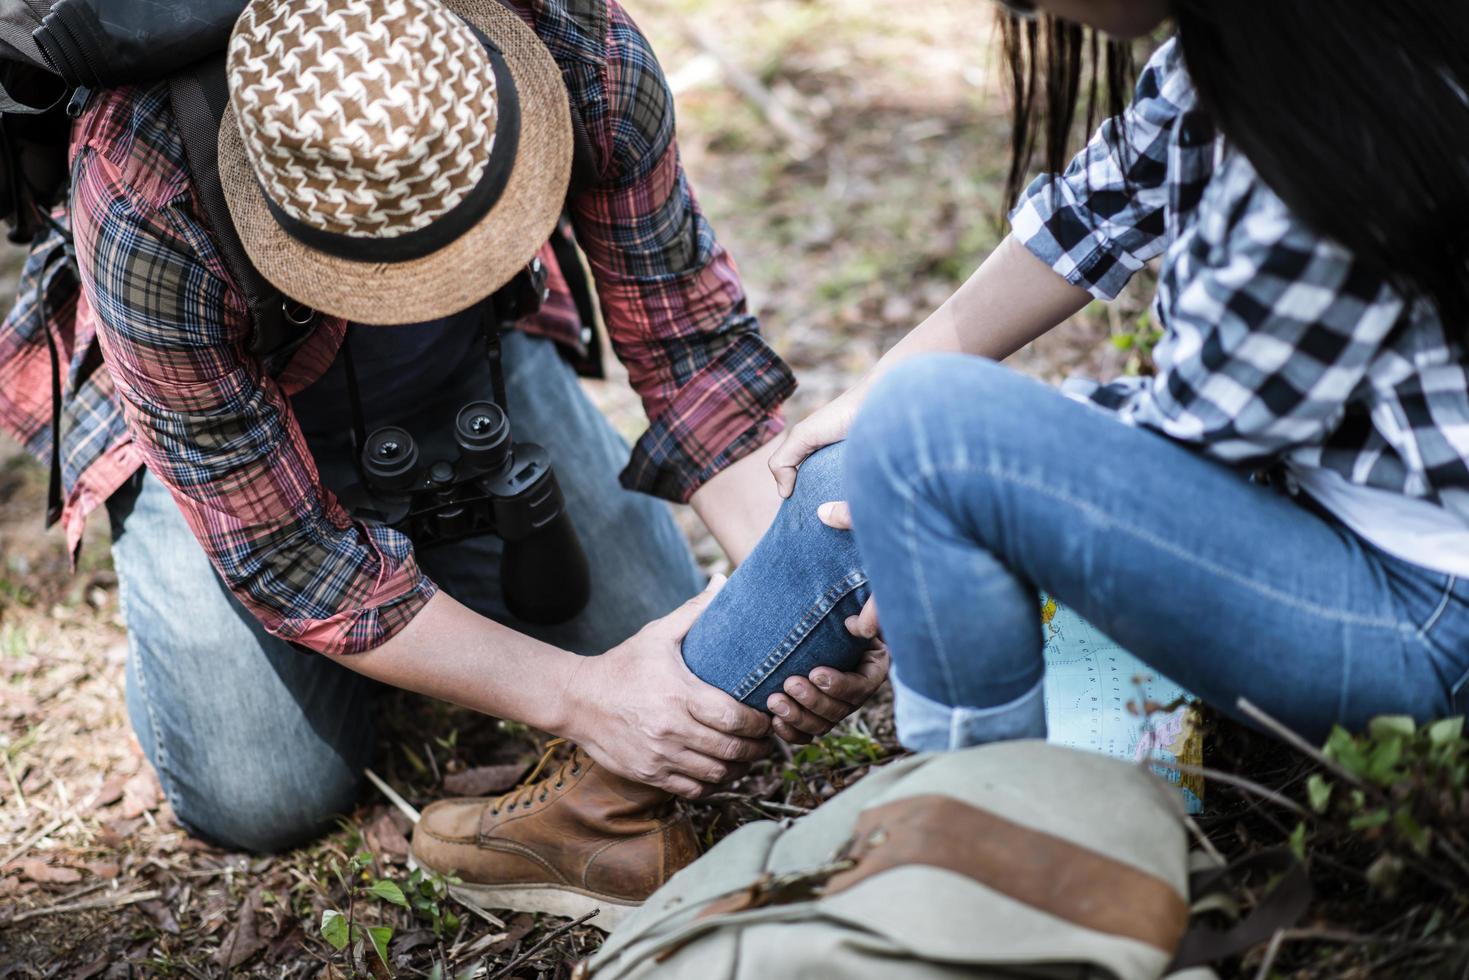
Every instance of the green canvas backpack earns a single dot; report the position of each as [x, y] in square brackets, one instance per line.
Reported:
[1017, 859]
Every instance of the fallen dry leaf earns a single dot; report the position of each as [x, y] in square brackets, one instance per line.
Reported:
[289, 941]
[106, 870]
[243, 941]
[484, 780]
[39, 871]
[110, 791]
[93, 968]
[385, 835]
[516, 930]
[161, 915]
[139, 794]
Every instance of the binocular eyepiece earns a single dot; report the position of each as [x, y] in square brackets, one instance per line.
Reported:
[493, 485]
[481, 432]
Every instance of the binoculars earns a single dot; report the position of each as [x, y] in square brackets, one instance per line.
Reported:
[490, 485]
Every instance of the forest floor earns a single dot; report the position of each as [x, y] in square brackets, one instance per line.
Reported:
[872, 195]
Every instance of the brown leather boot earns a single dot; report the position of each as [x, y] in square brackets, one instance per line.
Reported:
[576, 840]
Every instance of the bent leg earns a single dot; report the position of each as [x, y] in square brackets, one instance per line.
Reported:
[256, 744]
[972, 485]
[783, 611]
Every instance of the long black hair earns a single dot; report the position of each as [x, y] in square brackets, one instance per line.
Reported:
[1355, 113]
[1047, 60]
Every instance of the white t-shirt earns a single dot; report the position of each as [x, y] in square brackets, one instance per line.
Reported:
[1414, 530]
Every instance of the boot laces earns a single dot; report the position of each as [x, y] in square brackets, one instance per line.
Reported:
[532, 788]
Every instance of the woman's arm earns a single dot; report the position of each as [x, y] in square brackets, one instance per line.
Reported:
[1077, 235]
[1010, 300]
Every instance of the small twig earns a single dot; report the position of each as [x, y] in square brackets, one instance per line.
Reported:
[787, 808]
[20, 797]
[1280, 731]
[67, 810]
[1271, 951]
[479, 945]
[1452, 853]
[546, 940]
[392, 795]
[797, 811]
[111, 902]
[433, 763]
[495, 921]
[1301, 745]
[1204, 841]
[1239, 782]
[198, 872]
[77, 893]
[26, 844]
[1359, 939]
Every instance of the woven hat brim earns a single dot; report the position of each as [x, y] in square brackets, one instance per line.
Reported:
[468, 269]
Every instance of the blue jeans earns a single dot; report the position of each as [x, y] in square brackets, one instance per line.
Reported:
[971, 486]
[268, 762]
[783, 611]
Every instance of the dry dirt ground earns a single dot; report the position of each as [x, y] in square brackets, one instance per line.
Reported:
[869, 197]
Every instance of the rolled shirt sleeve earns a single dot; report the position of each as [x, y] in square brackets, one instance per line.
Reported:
[671, 296]
[1101, 220]
[219, 432]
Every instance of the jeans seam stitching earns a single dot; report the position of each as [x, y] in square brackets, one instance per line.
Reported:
[798, 633]
[1096, 513]
[1443, 604]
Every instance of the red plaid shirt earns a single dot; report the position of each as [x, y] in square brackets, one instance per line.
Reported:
[179, 394]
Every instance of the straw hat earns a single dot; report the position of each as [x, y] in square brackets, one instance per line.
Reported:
[391, 161]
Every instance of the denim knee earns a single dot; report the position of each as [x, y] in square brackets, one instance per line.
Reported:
[817, 481]
[931, 413]
[783, 612]
[267, 811]
[887, 446]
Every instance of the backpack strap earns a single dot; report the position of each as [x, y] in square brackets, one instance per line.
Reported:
[18, 21]
[584, 175]
[199, 95]
[583, 159]
[1287, 903]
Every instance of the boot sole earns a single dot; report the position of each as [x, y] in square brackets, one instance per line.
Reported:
[560, 900]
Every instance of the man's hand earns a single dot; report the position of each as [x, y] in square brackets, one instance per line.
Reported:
[812, 706]
[641, 713]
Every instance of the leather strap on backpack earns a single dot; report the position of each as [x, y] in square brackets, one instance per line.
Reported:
[1281, 909]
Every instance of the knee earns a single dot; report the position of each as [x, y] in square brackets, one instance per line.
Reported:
[932, 412]
[891, 440]
[263, 811]
[819, 479]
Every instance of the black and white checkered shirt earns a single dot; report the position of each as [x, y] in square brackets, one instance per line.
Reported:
[1278, 346]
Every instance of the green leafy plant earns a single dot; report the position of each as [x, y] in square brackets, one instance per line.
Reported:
[830, 756]
[1138, 341]
[425, 895]
[1400, 788]
[341, 929]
